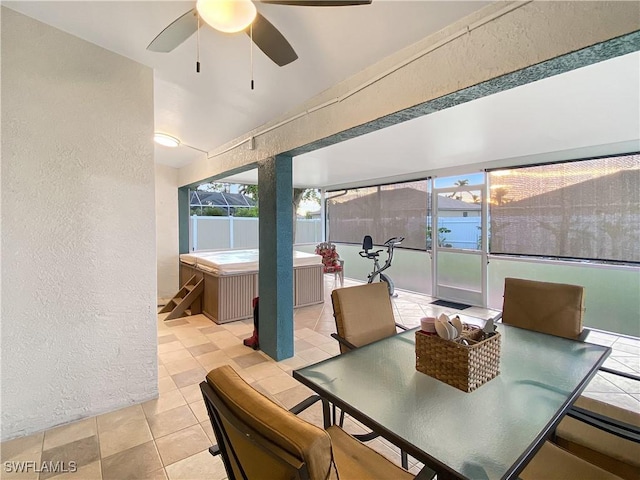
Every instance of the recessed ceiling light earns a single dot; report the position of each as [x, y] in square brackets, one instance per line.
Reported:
[165, 140]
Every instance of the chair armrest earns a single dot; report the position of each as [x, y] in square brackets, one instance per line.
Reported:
[344, 341]
[607, 424]
[425, 474]
[365, 437]
[306, 403]
[402, 327]
[628, 375]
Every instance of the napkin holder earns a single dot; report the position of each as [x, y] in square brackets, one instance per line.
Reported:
[465, 367]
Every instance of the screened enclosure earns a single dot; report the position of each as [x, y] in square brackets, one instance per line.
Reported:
[575, 222]
[382, 211]
[225, 203]
[587, 209]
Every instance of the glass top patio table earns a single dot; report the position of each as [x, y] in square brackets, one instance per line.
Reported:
[489, 433]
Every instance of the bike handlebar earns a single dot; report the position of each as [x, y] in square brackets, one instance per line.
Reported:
[390, 244]
[369, 254]
[394, 241]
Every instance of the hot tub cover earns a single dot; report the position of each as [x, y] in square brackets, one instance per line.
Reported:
[227, 262]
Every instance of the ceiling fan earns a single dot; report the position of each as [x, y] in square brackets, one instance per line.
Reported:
[235, 16]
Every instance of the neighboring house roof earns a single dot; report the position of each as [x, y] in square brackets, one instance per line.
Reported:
[446, 203]
[402, 199]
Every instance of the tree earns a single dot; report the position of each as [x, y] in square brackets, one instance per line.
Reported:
[499, 196]
[442, 240]
[304, 195]
[246, 212]
[209, 211]
[214, 187]
[299, 195]
[249, 191]
[458, 183]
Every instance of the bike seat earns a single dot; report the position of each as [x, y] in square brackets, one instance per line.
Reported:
[367, 244]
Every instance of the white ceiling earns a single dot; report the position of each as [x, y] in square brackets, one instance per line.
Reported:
[207, 110]
[594, 109]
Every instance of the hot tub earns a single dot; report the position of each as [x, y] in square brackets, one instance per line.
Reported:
[231, 281]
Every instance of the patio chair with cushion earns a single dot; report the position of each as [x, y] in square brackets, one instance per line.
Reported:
[259, 439]
[603, 434]
[331, 261]
[600, 433]
[363, 315]
[552, 308]
[554, 463]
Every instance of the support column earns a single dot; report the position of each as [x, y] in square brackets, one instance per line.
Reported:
[276, 257]
[183, 219]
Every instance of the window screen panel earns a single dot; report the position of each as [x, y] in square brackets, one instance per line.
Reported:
[383, 211]
[586, 209]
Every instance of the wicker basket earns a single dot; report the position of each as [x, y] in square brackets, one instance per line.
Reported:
[465, 367]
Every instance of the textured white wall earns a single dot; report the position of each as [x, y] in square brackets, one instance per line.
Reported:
[167, 231]
[78, 237]
[499, 42]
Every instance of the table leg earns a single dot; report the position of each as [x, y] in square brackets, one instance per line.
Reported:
[326, 414]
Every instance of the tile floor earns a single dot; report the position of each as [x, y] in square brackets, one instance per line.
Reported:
[168, 438]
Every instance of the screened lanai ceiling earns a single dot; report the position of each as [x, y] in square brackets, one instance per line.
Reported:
[591, 111]
[208, 109]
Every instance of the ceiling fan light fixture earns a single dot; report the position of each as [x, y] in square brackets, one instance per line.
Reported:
[227, 16]
[166, 140]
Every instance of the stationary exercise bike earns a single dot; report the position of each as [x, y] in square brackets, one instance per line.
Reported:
[367, 245]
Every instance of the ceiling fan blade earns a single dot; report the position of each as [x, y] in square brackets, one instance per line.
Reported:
[318, 3]
[176, 33]
[269, 39]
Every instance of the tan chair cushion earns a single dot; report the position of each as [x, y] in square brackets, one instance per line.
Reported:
[363, 313]
[606, 450]
[357, 461]
[552, 308]
[553, 463]
[301, 439]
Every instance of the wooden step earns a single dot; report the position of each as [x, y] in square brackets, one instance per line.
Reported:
[170, 305]
[189, 303]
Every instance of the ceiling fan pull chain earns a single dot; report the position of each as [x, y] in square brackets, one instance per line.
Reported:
[198, 46]
[251, 54]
